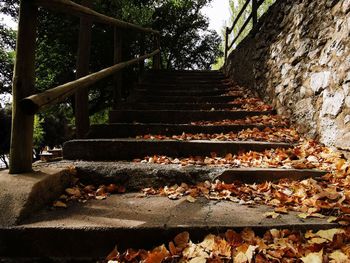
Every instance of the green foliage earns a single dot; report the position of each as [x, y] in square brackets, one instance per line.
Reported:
[100, 117]
[38, 135]
[186, 41]
[7, 45]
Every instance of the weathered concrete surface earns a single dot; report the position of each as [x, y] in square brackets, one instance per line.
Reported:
[178, 116]
[21, 195]
[93, 229]
[127, 130]
[129, 149]
[135, 176]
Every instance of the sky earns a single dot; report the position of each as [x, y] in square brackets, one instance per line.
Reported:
[218, 12]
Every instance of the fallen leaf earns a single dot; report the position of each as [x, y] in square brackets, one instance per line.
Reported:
[59, 204]
[338, 257]
[273, 215]
[182, 239]
[313, 257]
[191, 199]
[329, 234]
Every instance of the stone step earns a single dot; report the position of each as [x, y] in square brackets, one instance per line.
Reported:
[177, 116]
[125, 130]
[90, 231]
[177, 106]
[136, 176]
[187, 99]
[167, 91]
[203, 73]
[181, 85]
[129, 149]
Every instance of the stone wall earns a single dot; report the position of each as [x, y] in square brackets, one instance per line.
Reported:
[300, 62]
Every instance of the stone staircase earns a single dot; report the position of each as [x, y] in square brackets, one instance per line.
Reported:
[165, 103]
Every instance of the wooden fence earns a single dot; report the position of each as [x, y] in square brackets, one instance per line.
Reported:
[26, 103]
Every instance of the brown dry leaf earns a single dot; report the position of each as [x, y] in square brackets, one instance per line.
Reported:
[247, 256]
[182, 239]
[281, 210]
[131, 254]
[172, 248]
[114, 255]
[157, 255]
[248, 235]
[73, 192]
[59, 204]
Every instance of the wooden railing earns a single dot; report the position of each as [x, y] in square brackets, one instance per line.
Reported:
[255, 4]
[26, 103]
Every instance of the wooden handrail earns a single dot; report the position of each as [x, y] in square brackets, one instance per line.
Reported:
[34, 103]
[72, 8]
[244, 7]
[253, 16]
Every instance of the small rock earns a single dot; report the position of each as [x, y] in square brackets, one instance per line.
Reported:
[346, 119]
[332, 103]
[347, 101]
[320, 81]
[346, 6]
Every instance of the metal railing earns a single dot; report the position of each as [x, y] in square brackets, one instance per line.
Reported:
[255, 4]
[26, 103]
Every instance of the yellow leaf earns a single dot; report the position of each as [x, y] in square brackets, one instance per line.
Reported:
[191, 199]
[338, 257]
[317, 240]
[303, 215]
[198, 260]
[273, 215]
[240, 258]
[332, 219]
[313, 257]
[59, 204]
[329, 234]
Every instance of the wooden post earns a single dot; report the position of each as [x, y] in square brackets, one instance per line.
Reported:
[156, 59]
[118, 57]
[82, 121]
[226, 43]
[255, 12]
[21, 150]
[142, 52]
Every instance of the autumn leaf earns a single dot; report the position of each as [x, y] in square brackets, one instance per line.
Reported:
[59, 204]
[273, 215]
[182, 239]
[313, 257]
[338, 257]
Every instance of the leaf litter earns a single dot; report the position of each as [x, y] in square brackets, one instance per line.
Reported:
[248, 247]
